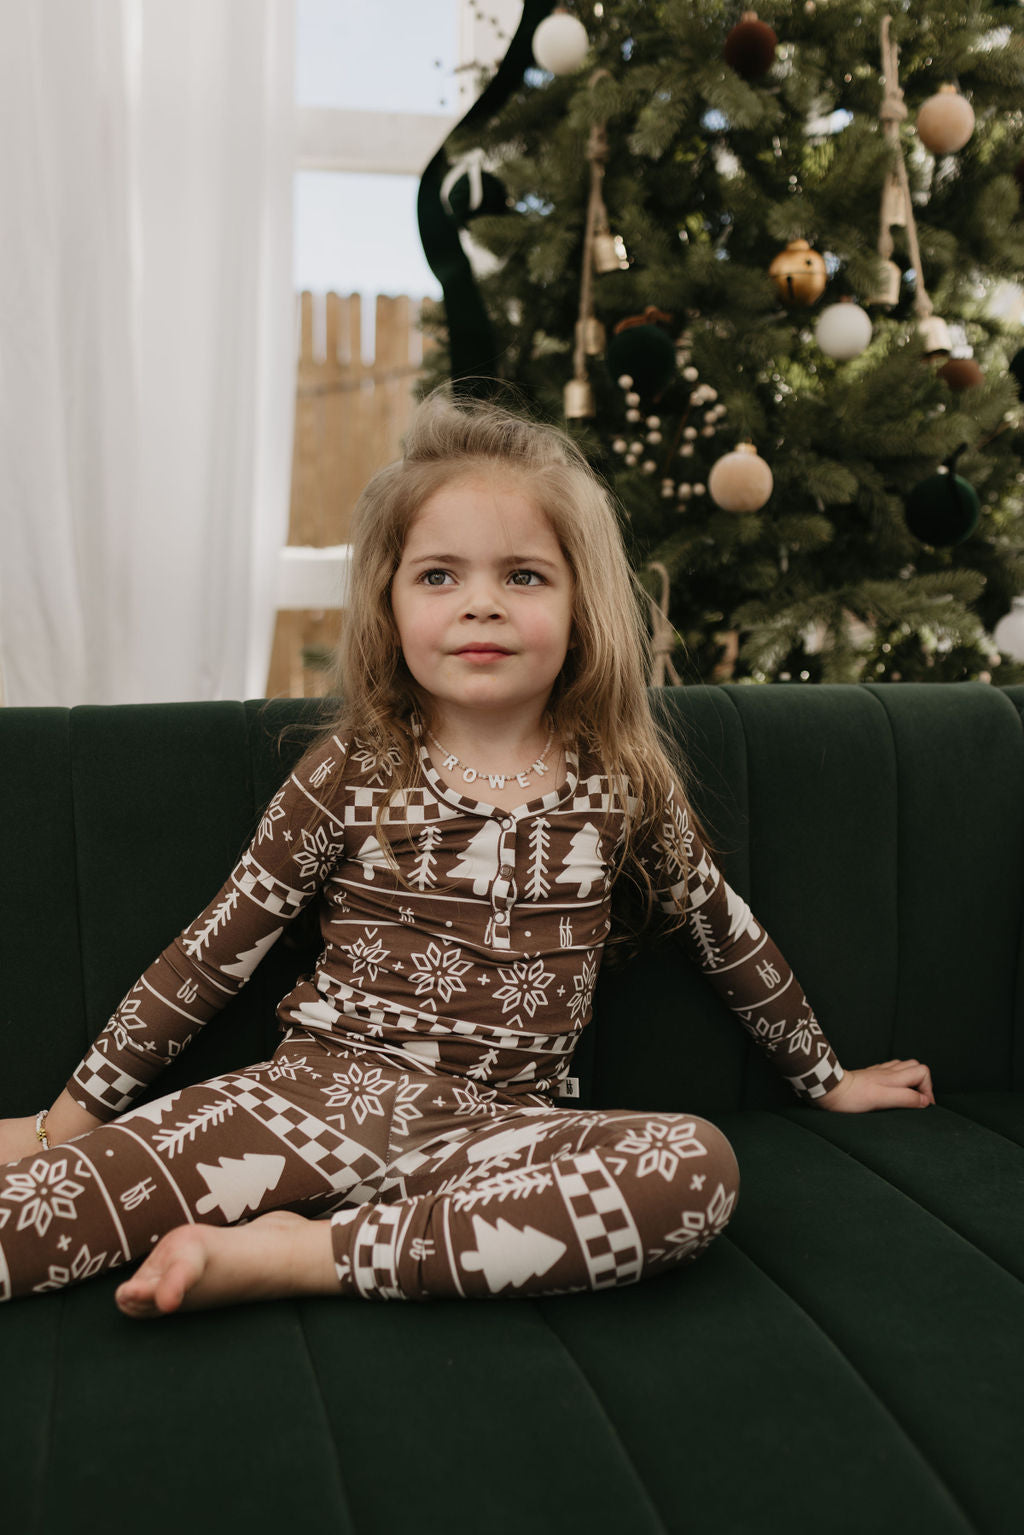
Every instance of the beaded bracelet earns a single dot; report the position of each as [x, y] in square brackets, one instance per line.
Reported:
[41, 1134]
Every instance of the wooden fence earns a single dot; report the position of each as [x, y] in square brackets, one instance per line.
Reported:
[351, 411]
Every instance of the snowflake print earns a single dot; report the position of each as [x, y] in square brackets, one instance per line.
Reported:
[83, 1266]
[698, 1227]
[440, 970]
[660, 1146]
[366, 954]
[288, 1071]
[405, 1110]
[358, 1091]
[376, 765]
[126, 1021]
[274, 812]
[318, 853]
[470, 1099]
[43, 1192]
[583, 990]
[526, 986]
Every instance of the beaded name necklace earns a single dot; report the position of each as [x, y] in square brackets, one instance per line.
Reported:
[495, 780]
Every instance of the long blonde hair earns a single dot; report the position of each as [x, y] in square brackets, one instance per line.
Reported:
[599, 703]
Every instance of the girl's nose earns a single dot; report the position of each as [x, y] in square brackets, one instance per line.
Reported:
[484, 599]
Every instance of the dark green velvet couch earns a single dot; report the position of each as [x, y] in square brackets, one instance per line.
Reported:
[849, 1357]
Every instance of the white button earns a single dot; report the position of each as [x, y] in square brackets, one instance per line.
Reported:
[508, 823]
[506, 871]
[501, 916]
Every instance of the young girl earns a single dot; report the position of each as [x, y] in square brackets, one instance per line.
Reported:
[494, 771]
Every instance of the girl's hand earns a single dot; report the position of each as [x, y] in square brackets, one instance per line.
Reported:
[18, 1138]
[890, 1085]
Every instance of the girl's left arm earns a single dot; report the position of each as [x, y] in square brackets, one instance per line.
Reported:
[753, 978]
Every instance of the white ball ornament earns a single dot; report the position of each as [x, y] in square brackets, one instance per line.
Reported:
[691, 375]
[625, 381]
[843, 330]
[560, 43]
[741, 481]
[945, 121]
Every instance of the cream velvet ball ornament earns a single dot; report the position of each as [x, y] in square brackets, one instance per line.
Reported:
[843, 330]
[560, 43]
[741, 481]
[945, 121]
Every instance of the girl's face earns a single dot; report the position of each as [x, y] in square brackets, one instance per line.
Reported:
[482, 599]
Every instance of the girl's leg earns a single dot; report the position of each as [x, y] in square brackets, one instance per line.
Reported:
[277, 1136]
[538, 1202]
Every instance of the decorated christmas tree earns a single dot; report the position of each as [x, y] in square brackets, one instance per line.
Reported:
[766, 269]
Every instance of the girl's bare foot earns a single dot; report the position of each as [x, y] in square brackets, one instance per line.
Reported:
[198, 1266]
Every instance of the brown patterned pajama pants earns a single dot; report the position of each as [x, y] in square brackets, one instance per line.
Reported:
[435, 1185]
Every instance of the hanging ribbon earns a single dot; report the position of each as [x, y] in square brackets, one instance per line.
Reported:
[893, 112]
[663, 636]
[472, 167]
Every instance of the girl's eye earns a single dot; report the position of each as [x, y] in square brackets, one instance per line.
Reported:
[434, 577]
[525, 578]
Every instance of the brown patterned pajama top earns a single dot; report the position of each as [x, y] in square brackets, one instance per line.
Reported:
[410, 1098]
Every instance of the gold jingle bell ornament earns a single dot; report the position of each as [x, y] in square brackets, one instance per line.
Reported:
[799, 273]
[945, 121]
[741, 481]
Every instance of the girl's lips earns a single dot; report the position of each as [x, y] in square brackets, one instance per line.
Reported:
[483, 650]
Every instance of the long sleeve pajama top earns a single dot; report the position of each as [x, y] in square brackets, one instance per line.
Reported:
[479, 958]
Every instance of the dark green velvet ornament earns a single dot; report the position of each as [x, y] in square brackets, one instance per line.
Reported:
[943, 509]
[647, 354]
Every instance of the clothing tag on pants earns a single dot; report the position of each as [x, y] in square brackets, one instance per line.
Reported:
[570, 1088]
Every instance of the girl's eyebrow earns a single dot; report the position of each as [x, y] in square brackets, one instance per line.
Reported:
[460, 559]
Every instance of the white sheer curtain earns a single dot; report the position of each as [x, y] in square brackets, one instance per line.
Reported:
[146, 345]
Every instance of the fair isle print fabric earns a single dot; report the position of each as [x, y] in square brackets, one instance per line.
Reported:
[455, 979]
[433, 1188]
[476, 957]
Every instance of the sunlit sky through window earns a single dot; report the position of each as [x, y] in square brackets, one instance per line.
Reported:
[358, 233]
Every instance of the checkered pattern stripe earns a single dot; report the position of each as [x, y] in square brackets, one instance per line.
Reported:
[375, 1254]
[410, 807]
[345, 1166]
[601, 1220]
[592, 794]
[816, 1082]
[266, 891]
[106, 1085]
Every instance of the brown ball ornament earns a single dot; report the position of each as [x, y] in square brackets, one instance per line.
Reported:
[799, 273]
[750, 47]
[945, 121]
[961, 373]
[741, 481]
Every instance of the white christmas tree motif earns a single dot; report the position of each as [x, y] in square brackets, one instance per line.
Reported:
[318, 853]
[154, 1112]
[45, 1191]
[703, 934]
[484, 1065]
[361, 1092]
[372, 857]
[537, 883]
[517, 1183]
[508, 1255]
[480, 859]
[439, 970]
[423, 876]
[660, 1147]
[83, 1266]
[741, 919]
[248, 959]
[367, 954]
[172, 1140]
[274, 812]
[583, 865]
[238, 1184]
[526, 986]
[197, 941]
